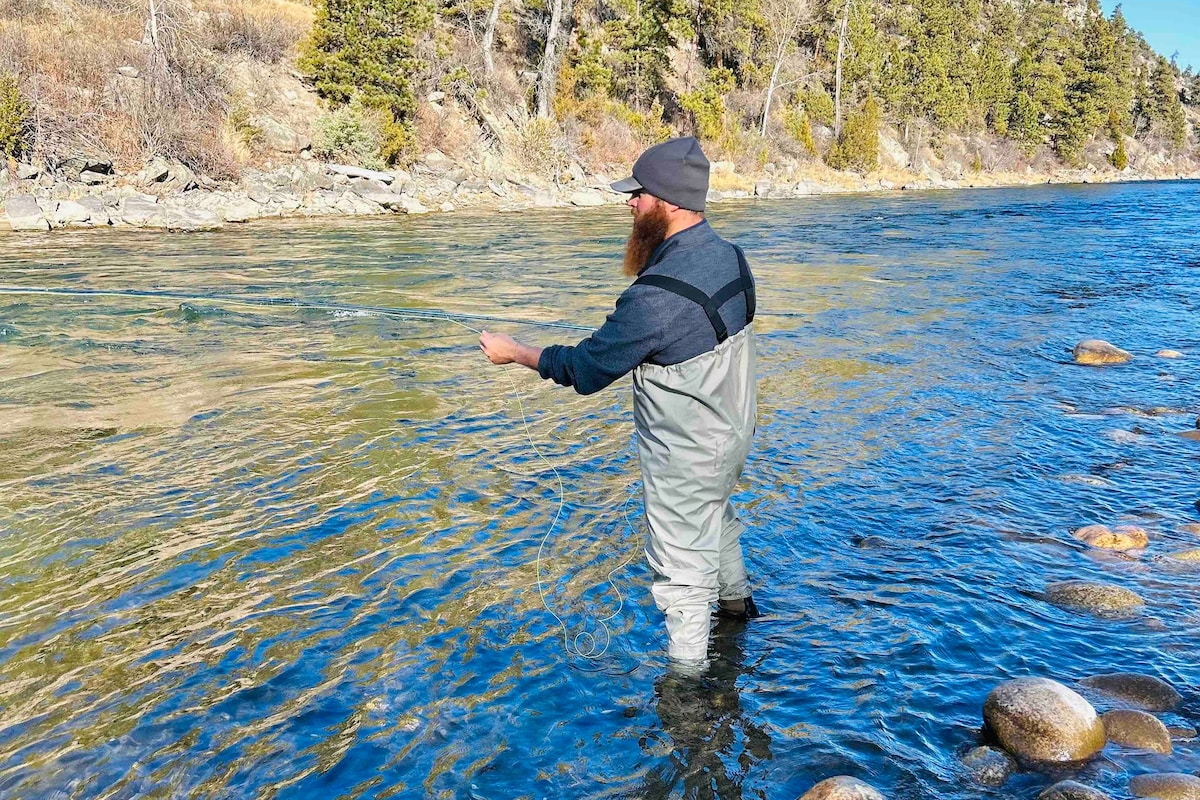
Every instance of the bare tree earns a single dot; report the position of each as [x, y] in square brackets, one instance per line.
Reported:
[837, 90]
[549, 69]
[787, 16]
[489, 36]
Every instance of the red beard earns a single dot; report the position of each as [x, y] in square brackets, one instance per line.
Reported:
[649, 231]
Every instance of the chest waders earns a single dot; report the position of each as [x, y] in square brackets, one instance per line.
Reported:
[694, 423]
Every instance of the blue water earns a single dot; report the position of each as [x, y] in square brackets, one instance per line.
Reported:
[256, 552]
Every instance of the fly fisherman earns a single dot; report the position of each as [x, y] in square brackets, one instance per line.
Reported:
[684, 329]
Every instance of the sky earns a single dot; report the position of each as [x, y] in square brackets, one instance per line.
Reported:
[1169, 26]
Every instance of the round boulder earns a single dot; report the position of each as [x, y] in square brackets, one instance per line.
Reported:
[1136, 729]
[1169, 354]
[1166, 786]
[1040, 720]
[1103, 598]
[1142, 691]
[842, 787]
[989, 766]
[1072, 790]
[1121, 537]
[1097, 352]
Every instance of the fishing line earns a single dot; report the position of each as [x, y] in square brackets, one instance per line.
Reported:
[272, 302]
[584, 644]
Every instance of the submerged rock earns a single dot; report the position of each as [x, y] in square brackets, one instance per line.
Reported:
[1166, 786]
[1121, 537]
[1093, 596]
[1183, 732]
[1186, 555]
[1097, 352]
[842, 787]
[1040, 720]
[1136, 729]
[989, 766]
[1072, 790]
[1169, 354]
[1143, 691]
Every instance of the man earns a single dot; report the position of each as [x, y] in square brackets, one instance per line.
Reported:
[684, 329]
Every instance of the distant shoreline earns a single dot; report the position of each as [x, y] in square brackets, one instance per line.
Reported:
[314, 191]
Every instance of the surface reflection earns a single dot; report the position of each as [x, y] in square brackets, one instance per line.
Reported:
[714, 743]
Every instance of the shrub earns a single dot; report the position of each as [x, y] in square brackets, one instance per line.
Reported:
[352, 133]
[1119, 159]
[248, 134]
[795, 121]
[818, 105]
[707, 103]
[14, 118]
[540, 147]
[858, 147]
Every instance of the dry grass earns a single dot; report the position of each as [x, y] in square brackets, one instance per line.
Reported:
[67, 65]
[265, 30]
[446, 129]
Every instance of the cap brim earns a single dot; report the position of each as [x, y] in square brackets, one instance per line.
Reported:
[627, 186]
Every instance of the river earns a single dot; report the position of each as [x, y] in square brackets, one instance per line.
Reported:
[253, 549]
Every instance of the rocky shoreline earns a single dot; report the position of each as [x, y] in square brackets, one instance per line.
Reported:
[86, 193]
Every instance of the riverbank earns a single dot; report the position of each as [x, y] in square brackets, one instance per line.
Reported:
[168, 196]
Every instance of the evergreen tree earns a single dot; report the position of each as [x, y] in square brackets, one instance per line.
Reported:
[639, 36]
[366, 49]
[858, 147]
[14, 118]
[1164, 107]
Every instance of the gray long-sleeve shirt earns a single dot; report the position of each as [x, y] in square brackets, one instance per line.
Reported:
[651, 324]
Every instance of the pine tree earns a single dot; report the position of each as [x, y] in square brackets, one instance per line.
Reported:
[639, 36]
[366, 49]
[14, 118]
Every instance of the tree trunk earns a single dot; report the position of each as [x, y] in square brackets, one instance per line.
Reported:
[489, 35]
[549, 71]
[771, 86]
[837, 90]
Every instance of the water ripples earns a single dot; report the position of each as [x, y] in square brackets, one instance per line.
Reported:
[273, 551]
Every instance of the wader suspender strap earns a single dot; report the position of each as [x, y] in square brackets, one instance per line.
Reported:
[711, 305]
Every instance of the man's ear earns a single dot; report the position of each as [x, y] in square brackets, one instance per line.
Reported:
[670, 207]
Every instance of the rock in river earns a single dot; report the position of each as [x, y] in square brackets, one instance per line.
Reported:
[1166, 786]
[1143, 691]
[1072, 790]
[1040, 720]
[842, 787]
[1097, 352]
[1136, 729]
[1121, 537]
[1104, 598]
[24, 214]
[989, 766]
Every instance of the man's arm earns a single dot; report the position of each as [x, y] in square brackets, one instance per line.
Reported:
[500, 348]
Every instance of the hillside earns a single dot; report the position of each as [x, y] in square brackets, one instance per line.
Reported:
[562, 90]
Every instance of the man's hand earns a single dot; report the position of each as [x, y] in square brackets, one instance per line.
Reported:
[500, 348]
